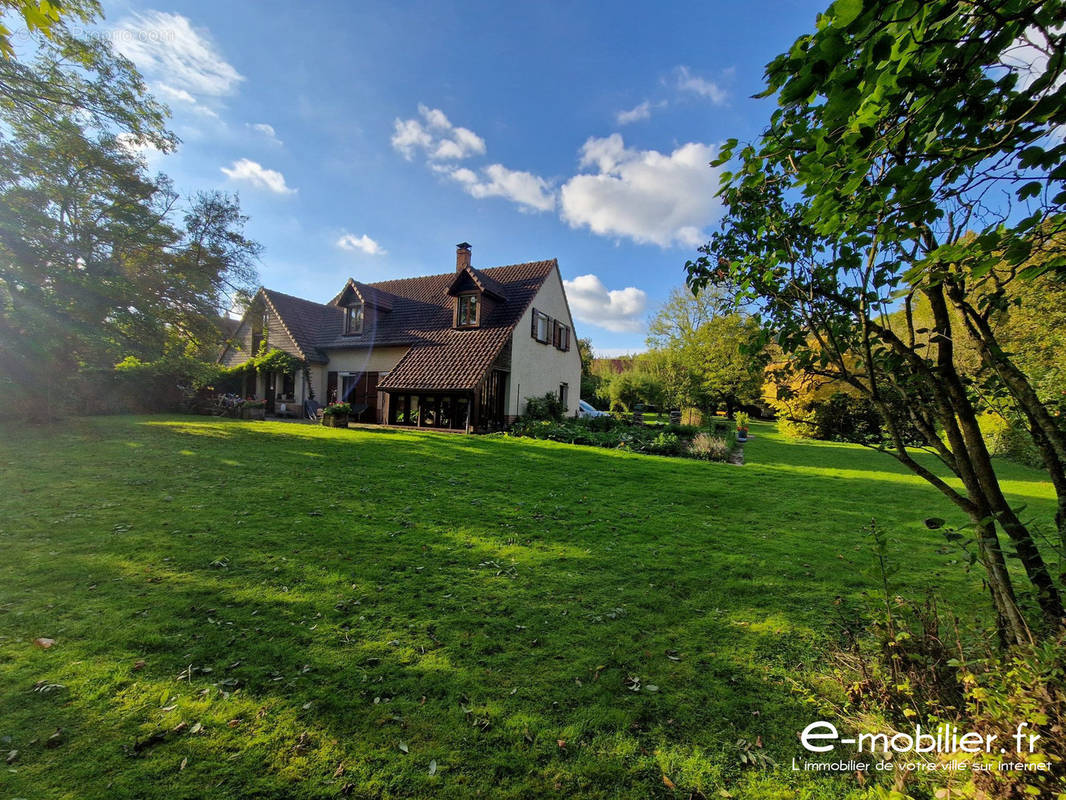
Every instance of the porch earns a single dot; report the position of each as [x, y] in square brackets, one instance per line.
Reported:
[480, 410]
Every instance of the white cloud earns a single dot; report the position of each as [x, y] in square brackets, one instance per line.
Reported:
[435, 136]
[408, 136]
[257, 175]
[618, 310]
[1029, 56]
[171, 95]
[530, 192]
[138, 147]
[643, 195]
[688, 82]
[443, 144]
[266, 130]
[166, 47]
[635, 114]
[349, 241]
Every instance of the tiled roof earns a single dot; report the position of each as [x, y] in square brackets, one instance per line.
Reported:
[481, 279]
[368, 293]
[421, 316]
[304, 321]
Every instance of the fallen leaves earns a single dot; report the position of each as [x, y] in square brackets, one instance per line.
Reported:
[44, 642]
[669, 784]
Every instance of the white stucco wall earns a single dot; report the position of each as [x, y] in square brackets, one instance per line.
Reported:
[537, 368]
[377, 359]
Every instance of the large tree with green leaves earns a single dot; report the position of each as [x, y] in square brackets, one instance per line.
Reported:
[705, 350]
[99, 259]
[917, 152]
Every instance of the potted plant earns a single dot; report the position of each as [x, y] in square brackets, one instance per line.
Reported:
[742, 426]
[335, 415]
[253, 409]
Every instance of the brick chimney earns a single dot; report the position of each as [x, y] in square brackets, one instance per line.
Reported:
[462, 256]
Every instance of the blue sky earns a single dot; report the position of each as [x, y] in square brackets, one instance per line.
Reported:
[365, 140]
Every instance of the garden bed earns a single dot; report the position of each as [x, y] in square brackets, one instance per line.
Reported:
[714, 442]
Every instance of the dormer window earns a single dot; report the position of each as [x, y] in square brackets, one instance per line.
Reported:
[353, 319]
[467, 312]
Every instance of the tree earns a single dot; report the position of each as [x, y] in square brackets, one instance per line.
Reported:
[871, 188]
[77, 76]
[634, 387]
[94, 265]
[704, 351]
[590, 382]
[43, 17]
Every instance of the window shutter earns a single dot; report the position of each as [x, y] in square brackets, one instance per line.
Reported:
[533, 324]
[566, 341]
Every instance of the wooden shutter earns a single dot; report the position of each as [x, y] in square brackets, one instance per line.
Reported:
[533, 324]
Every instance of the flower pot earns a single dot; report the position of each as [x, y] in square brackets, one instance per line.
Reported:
[742, 434]
[335, 420]
[253, 413]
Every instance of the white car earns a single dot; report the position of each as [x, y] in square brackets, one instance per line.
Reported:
[586, 410]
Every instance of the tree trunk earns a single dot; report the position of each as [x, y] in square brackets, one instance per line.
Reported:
[980, 477]
[1049, 439]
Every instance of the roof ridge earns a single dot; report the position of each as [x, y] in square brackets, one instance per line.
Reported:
[295, 297]
[447, 274]
[284, 324]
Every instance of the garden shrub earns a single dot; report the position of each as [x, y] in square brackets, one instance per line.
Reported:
[665, 444]
[547, 406]
[685, 431]
[844, 418]
[1009, 439]
[598, 423]
[913, 671]
[706, 447]
[607, 432]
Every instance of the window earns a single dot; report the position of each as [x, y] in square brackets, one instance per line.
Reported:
[564, 393]
[353, 320]
[468, 311]
[429, 411]
[541, 326]
[462, 412]
[260, 326]
[288, 385]
[562, 336]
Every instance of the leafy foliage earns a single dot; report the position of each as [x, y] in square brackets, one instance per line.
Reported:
[670, 440]
[705, 351]
[98, 259]
[338, 409]
[546, 407]
[869, 190]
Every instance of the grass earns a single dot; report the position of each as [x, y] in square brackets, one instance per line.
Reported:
[274, 610]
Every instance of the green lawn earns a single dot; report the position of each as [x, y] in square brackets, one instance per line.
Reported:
[274, 610]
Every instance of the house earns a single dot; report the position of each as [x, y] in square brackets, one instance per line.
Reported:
[463, 350]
